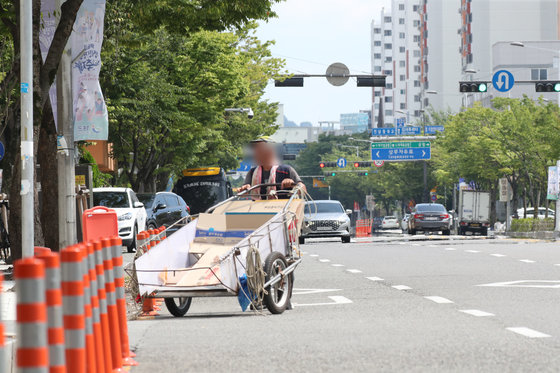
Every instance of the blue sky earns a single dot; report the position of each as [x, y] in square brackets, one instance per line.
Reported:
[312, 34]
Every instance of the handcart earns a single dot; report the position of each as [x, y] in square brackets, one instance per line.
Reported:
[244, 246]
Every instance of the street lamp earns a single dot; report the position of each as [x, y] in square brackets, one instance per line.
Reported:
[246, 110]
[351, 146]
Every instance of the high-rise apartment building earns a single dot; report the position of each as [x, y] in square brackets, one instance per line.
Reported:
[395, 52]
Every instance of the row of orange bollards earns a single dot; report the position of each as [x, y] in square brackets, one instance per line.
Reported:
[71, 310]
[363, 227]
[145, 241]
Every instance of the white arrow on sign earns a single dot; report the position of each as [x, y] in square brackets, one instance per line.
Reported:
[503, 79]
[377, 154]
[423, 153]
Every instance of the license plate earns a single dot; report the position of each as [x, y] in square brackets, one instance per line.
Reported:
[324, 228]
[430, 218]
[475, 225]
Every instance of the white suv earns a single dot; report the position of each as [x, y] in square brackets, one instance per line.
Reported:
[130, 212]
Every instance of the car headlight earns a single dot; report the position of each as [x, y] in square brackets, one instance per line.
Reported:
[126, 216]
[343, 220]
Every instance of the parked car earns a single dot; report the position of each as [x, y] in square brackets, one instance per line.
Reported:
[390, 222]
[404, 223]
[131, 214]
[531, 213]
[164, 208]
[377, 224]
[325, 219]
[429, 217]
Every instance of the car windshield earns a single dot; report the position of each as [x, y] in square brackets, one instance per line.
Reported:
[322, 208]
[146, 199]
[111, 199]
[390, 217]
[430, 208]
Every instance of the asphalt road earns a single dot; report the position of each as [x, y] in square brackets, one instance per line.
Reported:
[399, 305]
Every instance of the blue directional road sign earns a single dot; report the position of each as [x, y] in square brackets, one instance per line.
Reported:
[384, 132]
[341, 163]
[401, 151]
[503, 81]
[432, 130]
[409, 131]
[2, 150]
[244, 167]
[401, 122]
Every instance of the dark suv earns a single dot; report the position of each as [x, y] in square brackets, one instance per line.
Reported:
[429, 217]
[163, 208]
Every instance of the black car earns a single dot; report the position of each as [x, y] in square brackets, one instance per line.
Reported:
[164, 208]
[377, 224]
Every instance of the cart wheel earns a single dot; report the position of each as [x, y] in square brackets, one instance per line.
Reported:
[278, 295]
[178, 310]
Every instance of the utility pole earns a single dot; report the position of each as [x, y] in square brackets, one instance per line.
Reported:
[27, 161]
[66, 167]
[556, 215]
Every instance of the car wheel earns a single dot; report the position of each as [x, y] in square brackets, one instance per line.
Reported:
[151, 226]
[301, 240]
[346, 239]
[132, 246]
[446, 232]
[178, 310]
[484, 232]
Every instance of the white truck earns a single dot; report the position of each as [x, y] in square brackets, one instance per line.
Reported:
[473, 212]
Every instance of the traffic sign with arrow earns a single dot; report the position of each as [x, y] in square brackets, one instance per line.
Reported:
[503, 81]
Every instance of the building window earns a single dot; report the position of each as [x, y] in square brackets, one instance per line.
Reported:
[417, 69]
[388, 59]
[388, 99]
[417, 83]
[417, 113]
[401, 6]
[416, 23]
[377, 56]
[403, 91]
[402, 49]
[416, 98]
[377, 68]
[388, 72]
[416, 53]
[402, 63]
[415, 8]
[377, 93]
[403, 106]
[388, 46]
[377, 43]
[416, 38]
[387, 32]
[539, 74]
[388, 113]
[402, 78]
[387, 19]
[377, 30]
[376, 106]
[401, 21]
[401, 35]
[389, 86]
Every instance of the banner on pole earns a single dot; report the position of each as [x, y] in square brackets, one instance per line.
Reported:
[49, 21]
[91, 121]
[552, 192]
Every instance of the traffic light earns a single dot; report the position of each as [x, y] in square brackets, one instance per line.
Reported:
[547, 86]
[371, 81]
[363, 173]
[473, 87]
[289, 82]
[362, 164]
[330, 173]
[327, 164]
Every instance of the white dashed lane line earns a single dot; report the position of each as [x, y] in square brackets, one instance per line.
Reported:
[324, 260]
[477, 313]
[416, 244]
[498, 255]
[401, 287]
[354, 271]
[374, 278]
[337, 265]
[450, 249]
[314, 255]
[530, 333]
[527, 261]
[439, 300]
[472, 251]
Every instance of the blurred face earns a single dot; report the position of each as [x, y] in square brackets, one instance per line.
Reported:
[264, 154]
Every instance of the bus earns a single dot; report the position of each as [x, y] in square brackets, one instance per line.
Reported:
[203, 187]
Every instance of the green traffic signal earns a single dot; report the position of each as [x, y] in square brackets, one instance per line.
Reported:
[483, 87]
[333, 174]
[557, 87]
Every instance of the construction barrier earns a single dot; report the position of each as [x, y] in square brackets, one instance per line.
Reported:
[55, 333]
[32, 354]
[363, 227]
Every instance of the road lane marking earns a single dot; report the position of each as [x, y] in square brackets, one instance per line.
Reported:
[375, 278]
[299, 291]
[416, 244]
[530, 333]
[498, 255]
[472, 251]
[439, 300]
[542, 284]
[402, 243]
[337, 265]
[433, 246]
[402, 287]
[527, 261]
[558, 265]
[324, 260]
[313, 255]
[354, 271]
[477, 313]
[336, 299]
[450, 249]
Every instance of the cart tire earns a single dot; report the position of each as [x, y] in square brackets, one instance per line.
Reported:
[278, 295]
[301, 240]
[178, 310]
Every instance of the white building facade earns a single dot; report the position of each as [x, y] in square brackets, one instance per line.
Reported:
[395, 52]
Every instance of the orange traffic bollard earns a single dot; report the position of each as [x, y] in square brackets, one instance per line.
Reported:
[91, 362]
[102, 296]
[118, 274]
[57, 359]
[96, 321]
[32, 351]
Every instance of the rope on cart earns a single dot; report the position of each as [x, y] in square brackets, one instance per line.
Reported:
[255, 275]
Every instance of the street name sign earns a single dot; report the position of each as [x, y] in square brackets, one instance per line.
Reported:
[396, 131]
[432, 130]
[401, 151]
[503, 81]
[383, 132]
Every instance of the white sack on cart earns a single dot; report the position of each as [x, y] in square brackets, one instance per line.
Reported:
[171, 253]
[262, 242]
